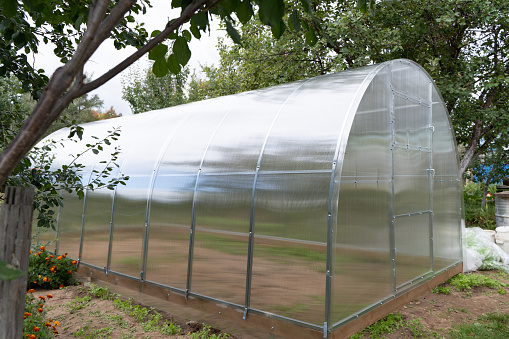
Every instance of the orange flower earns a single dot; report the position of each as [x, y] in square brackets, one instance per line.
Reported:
[44, 279]
[66, 254]
[39, 310]
[37, 253]
[74, 262]
[47, 324]
[46, 258]
[30, 251]
[40, 276]
[28, 314]
[50, 320]
[63, 255]
[49, 296]
[57, 323]
[35, 282]
[42, 248]
[61, 286]
[42, 297]
[51, 255]
[41, 305]
[36, 329]
[59, 257]
[31, 290]
[31, 336]
[70, 272]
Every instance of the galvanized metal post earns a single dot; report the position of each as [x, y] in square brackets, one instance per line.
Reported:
[431, 178]
[392, 225]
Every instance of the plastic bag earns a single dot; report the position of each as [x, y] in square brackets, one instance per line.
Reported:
[491, 255]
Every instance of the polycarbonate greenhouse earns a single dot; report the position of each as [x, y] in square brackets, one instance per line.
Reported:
[308, 209]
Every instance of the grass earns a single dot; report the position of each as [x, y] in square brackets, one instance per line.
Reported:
[78, 303]
[487, 326]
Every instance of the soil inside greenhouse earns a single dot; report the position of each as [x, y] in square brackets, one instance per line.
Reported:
[431, 315]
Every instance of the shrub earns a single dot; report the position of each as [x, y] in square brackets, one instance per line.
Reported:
[49, 271]
[475, 214]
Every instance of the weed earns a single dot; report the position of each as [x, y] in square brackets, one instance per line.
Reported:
[78, 303]
[386, 325]
[152, 324]
[35, 322]
[92, 333]
[442, 289]
[463, 282]
[135, 311]
[118, 321]
[205, 334]
[170, 328]
[415, 326]
[102, 293]
[127, 336]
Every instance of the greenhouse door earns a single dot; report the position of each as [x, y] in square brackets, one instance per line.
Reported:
[412, 188]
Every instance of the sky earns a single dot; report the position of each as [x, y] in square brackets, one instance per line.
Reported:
[106, 57]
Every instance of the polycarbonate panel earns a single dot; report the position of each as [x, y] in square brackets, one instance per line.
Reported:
[129, 226]
[302, 141]
[170, 225]
[368, 152]
[238, 141]
[446, 218]
[412, 181]
[69, 230]
[290, 245]
[410, 78]
[411, 124]
[223, 205]
[362, 264]
[96, 231]
[362, 271]
[413, 256]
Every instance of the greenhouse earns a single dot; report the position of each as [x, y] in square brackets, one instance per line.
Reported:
[309, 209]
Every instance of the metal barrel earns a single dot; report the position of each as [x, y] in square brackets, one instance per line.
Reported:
[502, 208]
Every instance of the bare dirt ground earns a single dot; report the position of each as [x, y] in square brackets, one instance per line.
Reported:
[437, 314]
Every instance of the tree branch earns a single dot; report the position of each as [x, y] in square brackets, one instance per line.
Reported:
[186, 15]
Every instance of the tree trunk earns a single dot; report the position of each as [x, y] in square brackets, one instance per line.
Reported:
[15, 231]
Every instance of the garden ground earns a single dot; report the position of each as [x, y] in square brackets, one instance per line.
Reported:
[90, 311]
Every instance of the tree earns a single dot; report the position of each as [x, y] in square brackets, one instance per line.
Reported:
[144, 91]
[79, 27]
[463, 44]
[109, 114]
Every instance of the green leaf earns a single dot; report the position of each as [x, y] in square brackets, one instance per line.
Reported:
[196, 32]
[80, 194]
[10, 7]
[295, 21]
[232, 32]
[362, 5]
[278, 30]
[201, 20]
[244, 11]
[173, 64]
[271, 12]
[311, 38]
[9, 272]
[79, 21]
[131, 40]
[154, 33]
[306, 4]
[95, 151]
[186, 35]
[158, 52]
[181, 51]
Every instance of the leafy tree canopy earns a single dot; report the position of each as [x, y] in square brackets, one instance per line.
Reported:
[463, 44]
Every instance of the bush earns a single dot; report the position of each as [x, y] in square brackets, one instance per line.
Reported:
[475, 214]
[50, 272]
